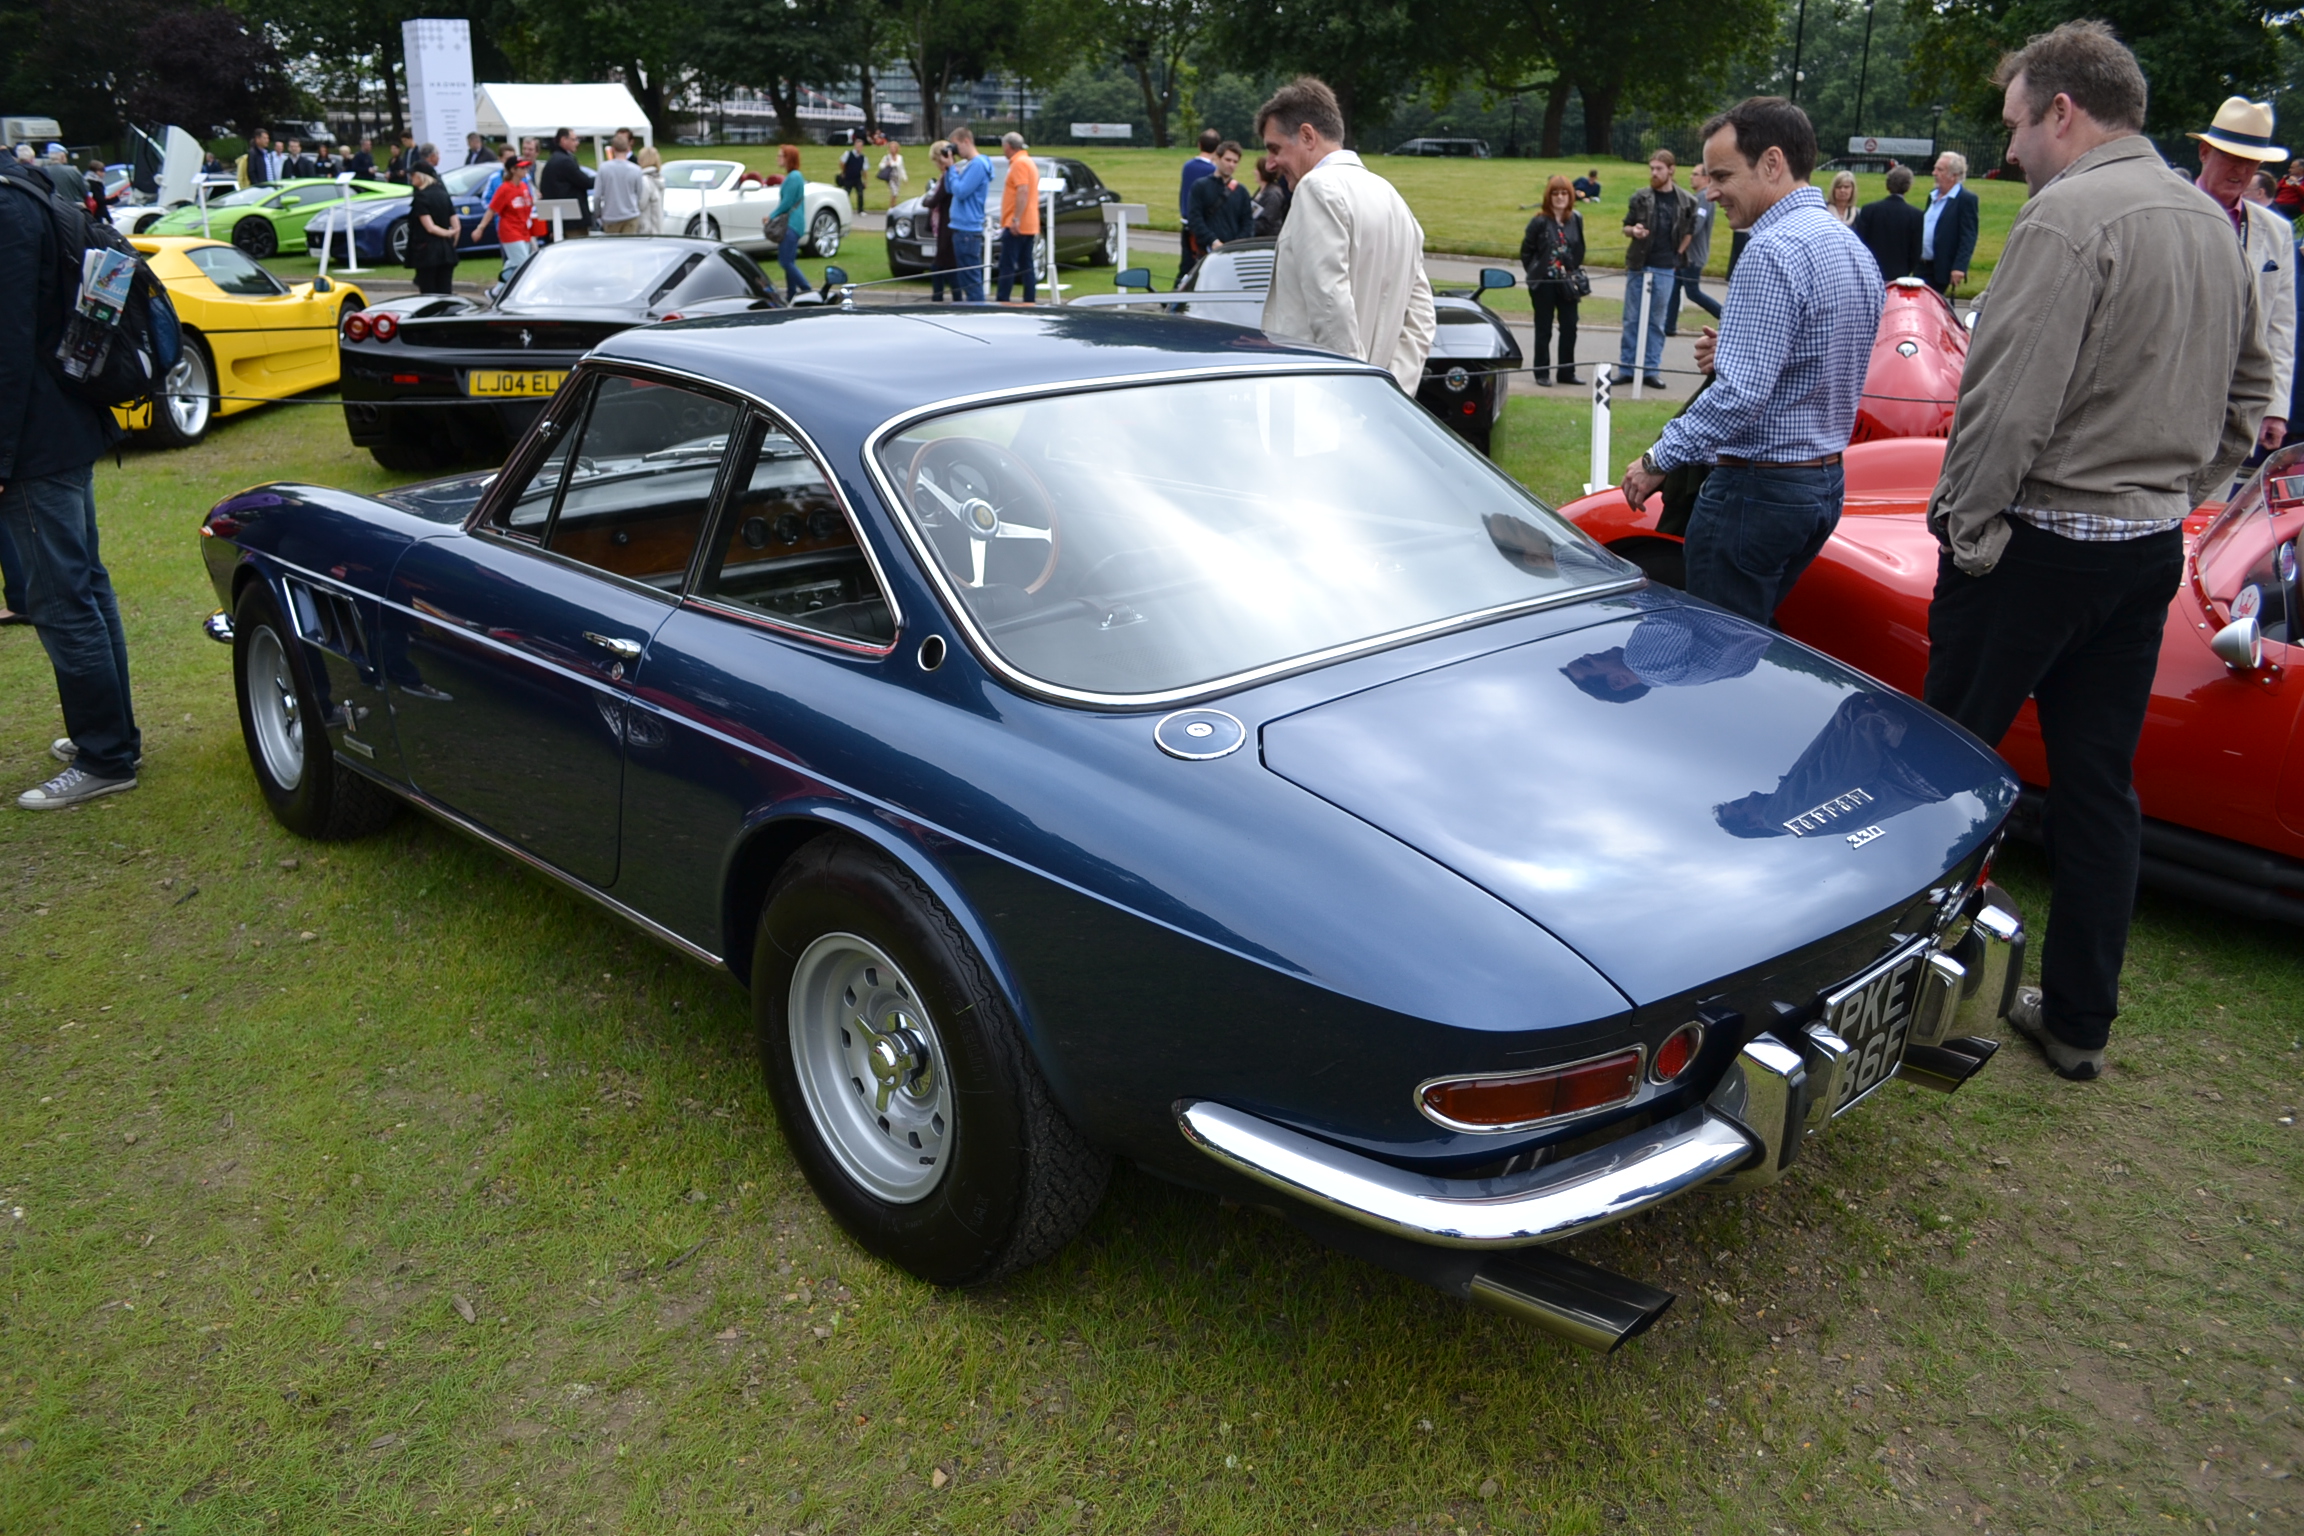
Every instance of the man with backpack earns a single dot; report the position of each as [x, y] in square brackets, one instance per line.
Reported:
[50, 439]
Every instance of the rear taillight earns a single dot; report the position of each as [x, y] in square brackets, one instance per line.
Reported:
[1527, 1099]
[668, 319]
[1677, 1054]
[355, 326]
[385, 326]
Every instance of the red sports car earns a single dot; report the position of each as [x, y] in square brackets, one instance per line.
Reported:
[2220, 770]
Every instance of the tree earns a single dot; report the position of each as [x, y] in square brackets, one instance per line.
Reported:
[773, 48]
[1664, 55]
[1152, 40]
[203, 68]
[1370, 52]
[2194, 52]
[947, 40]
[648, 43]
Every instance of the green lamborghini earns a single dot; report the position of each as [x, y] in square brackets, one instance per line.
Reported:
[263, 220]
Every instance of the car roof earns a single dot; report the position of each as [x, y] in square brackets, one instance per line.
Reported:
[839, 373]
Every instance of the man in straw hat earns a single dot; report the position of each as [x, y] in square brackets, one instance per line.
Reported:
[2233, 149]
[2117, 374]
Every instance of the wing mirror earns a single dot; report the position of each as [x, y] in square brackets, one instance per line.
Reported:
[1496, 277]
[322, 285]
[1135, 277]
[2240, 645]
[1968, 321]
[835, 277]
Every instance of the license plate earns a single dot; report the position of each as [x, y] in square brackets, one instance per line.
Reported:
[1873, 1013]
[505, 381]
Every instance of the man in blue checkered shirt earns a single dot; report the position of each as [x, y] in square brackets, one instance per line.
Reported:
[1787, 367]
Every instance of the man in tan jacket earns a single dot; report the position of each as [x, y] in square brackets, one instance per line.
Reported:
[2117, 374]
[1349, 271]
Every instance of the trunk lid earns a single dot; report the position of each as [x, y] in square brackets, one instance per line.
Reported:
[1677, 795]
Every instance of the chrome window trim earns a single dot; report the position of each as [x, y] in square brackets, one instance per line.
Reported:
[981, 643]
[685, 597]
[1638, 1048]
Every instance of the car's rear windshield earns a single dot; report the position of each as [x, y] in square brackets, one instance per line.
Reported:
[596, 274]
[1151, 541]
[688, 175]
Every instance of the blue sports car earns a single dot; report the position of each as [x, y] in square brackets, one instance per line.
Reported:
[379, 229]
[1094, 735]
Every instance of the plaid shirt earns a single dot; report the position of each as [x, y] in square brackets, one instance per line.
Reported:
[1795, 341]
[2094, 527]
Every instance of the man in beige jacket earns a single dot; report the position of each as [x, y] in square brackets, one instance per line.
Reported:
[1349, 271]
[2117, 374]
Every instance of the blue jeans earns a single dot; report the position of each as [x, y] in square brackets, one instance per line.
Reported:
[1016, 264]
[1691, 288]
[968, 256]
[52, 521]
[788, 257]
[1755, 530]
[11, 574]
[1660, 283]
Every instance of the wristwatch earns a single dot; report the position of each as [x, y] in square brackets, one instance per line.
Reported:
[1648, 463]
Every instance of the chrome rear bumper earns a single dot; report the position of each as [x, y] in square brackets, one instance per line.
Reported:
[1542, 1205]
[1771, 1098]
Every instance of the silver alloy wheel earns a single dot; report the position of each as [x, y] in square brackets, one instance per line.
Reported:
[187, 393]
[871, 1067]
[273, 710]
[824, 234]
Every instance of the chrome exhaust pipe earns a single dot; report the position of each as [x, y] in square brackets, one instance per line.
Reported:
[1579, 1302]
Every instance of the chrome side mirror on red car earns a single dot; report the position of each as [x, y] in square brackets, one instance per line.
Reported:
[2240, 644]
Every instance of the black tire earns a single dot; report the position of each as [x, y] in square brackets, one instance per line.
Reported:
[256, 238]
[1018, 1180]
[181, 418]
[327, 801]
[1103, 255]
[824, 234]
[704, 227]
[404, 458]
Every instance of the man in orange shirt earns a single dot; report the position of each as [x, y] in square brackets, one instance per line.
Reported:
[1019, 219]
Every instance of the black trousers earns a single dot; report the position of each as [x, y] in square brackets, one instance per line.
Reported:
[2075, 626]
[436, 279]
[1555, 300]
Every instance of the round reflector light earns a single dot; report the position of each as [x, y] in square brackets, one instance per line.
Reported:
[1677, 1053]
[385, 326]
[356, 326]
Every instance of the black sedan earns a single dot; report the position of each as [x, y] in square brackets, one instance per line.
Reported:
[438, 379]
[1081, 233]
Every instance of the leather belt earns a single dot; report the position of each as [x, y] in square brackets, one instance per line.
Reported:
[1730, 461]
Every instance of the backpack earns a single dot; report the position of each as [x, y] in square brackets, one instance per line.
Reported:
[148, 340]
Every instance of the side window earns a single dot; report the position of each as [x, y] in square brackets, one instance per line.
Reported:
[641, 482]
[787, 551]
[528, 514]
[713, 280]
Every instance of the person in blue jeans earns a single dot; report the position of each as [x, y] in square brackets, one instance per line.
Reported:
[792, 208]
[1788, 369]
[12, 599]
[969, 179]
[49, 444]
[1660, 223]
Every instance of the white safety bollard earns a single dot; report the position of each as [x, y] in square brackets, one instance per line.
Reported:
[1601, 477]
[1640, 342]
[351, 243]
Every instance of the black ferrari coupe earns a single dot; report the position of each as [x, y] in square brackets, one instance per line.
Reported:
[434, 380]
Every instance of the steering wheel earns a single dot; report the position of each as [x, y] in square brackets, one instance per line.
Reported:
[980, 489]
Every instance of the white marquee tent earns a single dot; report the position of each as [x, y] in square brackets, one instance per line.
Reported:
[594, 111]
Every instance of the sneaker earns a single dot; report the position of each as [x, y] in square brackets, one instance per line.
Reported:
[71, 787]
[65, 750]
[2069, 1060]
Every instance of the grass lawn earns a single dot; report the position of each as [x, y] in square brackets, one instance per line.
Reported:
[1470, 207]
[383, 1187]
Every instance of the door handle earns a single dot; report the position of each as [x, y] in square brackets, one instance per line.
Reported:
[622, 650]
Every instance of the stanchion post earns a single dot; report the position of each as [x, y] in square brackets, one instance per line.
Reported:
[351, 242]
[1601, 479]
[1640, 340]
[203, 189]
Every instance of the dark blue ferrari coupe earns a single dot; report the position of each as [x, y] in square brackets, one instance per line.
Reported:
[1094, 735]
